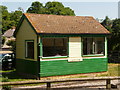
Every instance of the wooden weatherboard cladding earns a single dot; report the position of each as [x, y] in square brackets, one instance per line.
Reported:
[25, 33]
[29, 67]
[62, 67]
[75, 49]
[38, 26]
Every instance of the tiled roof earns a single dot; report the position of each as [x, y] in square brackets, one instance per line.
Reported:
[9, 33]
[65, 24]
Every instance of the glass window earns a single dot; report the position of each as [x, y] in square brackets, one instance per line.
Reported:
[93, 45]
[30, 49]
[54, 47]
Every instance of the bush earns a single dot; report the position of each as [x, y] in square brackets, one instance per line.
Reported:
[12, 43]
[3, 40]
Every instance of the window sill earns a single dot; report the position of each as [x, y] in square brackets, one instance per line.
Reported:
[77, 59]
[54, 57]
[94, 55]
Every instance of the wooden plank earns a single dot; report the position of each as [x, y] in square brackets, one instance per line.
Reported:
[5, 52]
[53, 81]
[74, 47]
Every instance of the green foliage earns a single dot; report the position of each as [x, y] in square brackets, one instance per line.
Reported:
[114, 27]
[9, 19]
[12, 43]
[5, 18]
[55, 8]
[107, 23]
[3, 40]
[36, 7]
[5, 79]
[115, 38]
[15, 17]
[4, 11]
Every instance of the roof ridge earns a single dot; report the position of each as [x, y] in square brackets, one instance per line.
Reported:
[56, 15]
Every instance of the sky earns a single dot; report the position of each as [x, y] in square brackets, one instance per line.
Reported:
[96, 8]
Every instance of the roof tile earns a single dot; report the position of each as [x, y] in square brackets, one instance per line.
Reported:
[65, 24]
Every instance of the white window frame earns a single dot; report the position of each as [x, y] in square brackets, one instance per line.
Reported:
[94, 47]
[45, 57]
[26, 46]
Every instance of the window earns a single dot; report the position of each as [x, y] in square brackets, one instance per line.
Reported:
[93, 46]
[30, 49]
[54, 47]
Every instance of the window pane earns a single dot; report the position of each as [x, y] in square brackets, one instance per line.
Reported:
[99, 45]
[87, 46]
[30, 50]
[54, 47]
[93, 45]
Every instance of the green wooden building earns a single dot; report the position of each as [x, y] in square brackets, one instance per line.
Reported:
[50, 45]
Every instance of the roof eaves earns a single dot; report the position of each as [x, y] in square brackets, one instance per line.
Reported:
[18, 26]
[75, 34]
[30, 22]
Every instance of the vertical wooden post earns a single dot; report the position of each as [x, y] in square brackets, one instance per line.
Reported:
[48, 85]
[108, 84]
[38, 58]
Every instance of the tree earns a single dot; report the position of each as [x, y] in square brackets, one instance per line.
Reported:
[5, 18]
[107, 23]
[20, 9]
[114, 27]
[15, 17]
[55, 8]
[9, 19]
[115, 38]
[36, 7]
[3, 40]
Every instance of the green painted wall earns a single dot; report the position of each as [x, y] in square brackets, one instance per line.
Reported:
[27, 67]
[63, 67]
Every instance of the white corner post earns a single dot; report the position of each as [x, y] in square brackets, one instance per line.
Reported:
[106, 47]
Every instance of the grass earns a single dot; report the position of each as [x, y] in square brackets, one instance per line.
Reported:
[113, 70]
[7, 71]
[11, 76]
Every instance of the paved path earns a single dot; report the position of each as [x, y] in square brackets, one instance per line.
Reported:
[86, 85]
